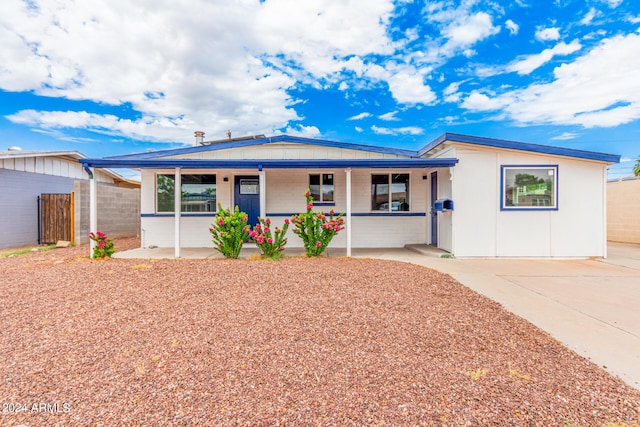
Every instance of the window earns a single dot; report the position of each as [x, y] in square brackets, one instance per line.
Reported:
[529, 187]
[198, 193]
[390, 192]
[321, 187]
[249, 186]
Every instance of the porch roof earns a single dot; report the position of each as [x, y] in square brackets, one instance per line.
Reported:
[260, 164]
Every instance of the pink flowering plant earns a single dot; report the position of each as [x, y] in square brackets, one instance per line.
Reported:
[104, 246]
[230, 231]
[315, 228]
[270, 240]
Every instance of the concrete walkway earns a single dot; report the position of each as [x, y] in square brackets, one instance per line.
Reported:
[591, 306]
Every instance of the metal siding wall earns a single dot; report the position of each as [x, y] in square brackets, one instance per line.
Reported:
[18, 204]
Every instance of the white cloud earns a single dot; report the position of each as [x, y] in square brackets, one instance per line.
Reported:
[229, 68]
[407, 130]
[588, 18]
[565, 136]
[360, 116]
[599, 89]
[613, 3]
[303, 131]
[633, 19]
[451, 93]
[477, 101]
[512, 27]
[467, 30]
[545, 34]
[407, 87]
[390, 116]
[159, 129]
[530, 63]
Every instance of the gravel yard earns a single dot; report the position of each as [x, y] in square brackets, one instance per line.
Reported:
[329, 341]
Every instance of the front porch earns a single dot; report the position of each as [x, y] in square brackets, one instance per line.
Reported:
[251, 250]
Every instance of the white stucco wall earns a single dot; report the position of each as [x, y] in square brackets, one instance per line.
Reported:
[481, 229]
[285, 196]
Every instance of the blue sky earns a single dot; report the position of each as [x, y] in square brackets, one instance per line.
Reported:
[109, 77]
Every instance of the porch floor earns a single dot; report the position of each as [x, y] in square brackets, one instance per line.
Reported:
[250, 250]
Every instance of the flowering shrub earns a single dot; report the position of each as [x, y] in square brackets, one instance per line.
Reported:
[315, 228]
[104, 246]
[271, 244]
[230, 231]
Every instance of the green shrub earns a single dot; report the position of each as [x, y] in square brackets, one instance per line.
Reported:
[230, 231]
[104, 246]
[271, 243]
[315, 228]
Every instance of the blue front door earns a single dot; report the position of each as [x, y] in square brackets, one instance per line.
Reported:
[434, 214]
[247, 196]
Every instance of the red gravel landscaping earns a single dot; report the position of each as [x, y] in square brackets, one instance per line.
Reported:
[329, 341]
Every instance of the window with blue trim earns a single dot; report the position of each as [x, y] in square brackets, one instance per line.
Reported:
[321, 187]
[198, 193]
[529, 187]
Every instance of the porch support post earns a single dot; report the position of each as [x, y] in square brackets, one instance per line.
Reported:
[93, 209]
[604, 211]
[177, 207]
[348, 214]
[262, 179]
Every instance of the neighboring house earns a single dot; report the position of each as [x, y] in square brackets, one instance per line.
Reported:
[623, 210]
[26, 175]
[471, 196]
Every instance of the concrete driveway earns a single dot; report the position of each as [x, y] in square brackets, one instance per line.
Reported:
[592, 306]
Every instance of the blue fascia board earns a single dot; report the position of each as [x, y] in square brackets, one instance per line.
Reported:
[268, 140]
[269, 163]
[521, 146]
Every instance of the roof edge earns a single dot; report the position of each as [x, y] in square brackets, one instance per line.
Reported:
[267, 140]
[258, 164]
[521, 146]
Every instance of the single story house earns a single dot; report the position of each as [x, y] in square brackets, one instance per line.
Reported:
[471, 196]
[27, 176]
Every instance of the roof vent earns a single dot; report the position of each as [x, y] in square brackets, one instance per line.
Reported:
[14, 148]
[199, 137]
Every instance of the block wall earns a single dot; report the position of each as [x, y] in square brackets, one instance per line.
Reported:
[623, 211]
[118, 211]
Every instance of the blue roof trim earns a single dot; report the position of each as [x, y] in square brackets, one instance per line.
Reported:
[269, 163]
[522, 146]
[268, 140]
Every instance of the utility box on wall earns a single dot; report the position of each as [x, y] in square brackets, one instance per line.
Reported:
[443, 205]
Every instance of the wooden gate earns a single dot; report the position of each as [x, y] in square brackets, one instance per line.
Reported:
[55, 218]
